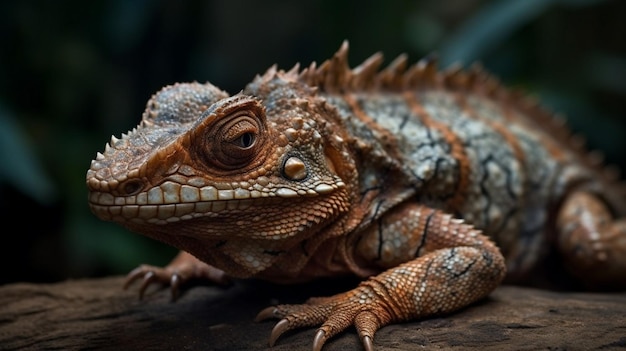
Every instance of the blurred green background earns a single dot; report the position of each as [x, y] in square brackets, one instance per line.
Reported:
[74, 72]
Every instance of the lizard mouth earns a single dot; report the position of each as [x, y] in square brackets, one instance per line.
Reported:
[171, 202]
[160, 214]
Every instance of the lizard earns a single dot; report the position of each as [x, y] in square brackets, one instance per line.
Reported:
[432, 186]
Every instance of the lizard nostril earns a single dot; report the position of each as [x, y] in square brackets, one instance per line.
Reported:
[131, 187]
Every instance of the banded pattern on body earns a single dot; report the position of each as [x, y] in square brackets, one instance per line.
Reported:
[466, 159]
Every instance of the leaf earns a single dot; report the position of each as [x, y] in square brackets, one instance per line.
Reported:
[19, 166]
[493, 24]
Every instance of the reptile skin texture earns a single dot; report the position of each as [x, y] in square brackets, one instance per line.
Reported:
[432, 186]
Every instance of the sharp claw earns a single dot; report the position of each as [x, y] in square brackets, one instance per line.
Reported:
[147, 280]
[280, 327]
[319, 340]
[174, 286]
[266, 313]
[367, 343]
[132, 276]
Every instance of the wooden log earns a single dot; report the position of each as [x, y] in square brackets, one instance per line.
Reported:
[98, 314]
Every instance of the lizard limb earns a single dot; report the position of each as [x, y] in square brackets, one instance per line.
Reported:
[458, 266]
[592, 242]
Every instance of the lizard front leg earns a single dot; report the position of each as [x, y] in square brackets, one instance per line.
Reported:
[183, 268]
[447, 265]
[592, 241]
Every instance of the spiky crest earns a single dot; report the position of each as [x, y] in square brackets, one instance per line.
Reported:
[335, 76]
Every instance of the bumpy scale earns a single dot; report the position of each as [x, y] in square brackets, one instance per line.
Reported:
[406, 177]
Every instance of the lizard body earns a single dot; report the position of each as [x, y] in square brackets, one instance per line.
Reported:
[407, 177]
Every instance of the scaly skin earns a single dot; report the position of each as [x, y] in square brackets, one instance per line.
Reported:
[407, 178]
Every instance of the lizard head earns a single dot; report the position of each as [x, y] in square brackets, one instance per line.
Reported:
[226, 178]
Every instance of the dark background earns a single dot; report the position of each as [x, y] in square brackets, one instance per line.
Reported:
[74, 72]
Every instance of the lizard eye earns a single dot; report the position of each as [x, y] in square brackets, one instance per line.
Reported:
[242, 135]
[235, 140]
[245, 140]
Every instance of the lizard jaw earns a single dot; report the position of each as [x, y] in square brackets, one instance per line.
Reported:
[172, 202]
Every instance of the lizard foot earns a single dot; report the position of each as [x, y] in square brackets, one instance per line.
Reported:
[365, 308]
[181, 270]
[438, 282]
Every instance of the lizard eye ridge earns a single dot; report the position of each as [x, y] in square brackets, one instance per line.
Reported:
[235, 140]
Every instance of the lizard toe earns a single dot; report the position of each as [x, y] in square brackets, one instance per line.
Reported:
[183, 269]
[151, 275]
[367, 323]
[293, 317]
[333, 315]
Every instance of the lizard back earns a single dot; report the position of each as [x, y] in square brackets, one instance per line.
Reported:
[459, 141]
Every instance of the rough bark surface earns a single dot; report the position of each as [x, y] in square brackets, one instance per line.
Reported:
[98, 314]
